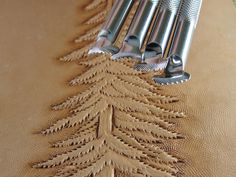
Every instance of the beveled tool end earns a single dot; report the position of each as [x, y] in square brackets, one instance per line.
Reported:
[103, 45]
[152, 60]
[128, 51]
[172, 79]
[147, 67]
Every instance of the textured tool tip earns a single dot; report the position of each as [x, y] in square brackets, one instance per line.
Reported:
[172, 80]
[121, 55]
[95, 50]
[103, 45]
[145, 67]
[106, 49]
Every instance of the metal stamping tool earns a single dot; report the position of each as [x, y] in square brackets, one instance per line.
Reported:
[138, 30]
[186, 24]
[160, 36]
[112, 27]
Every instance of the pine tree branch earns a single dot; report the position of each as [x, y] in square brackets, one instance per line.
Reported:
[92, 170]
[97, 19]
[153, 129]
[88, 159]
[129, 105]
[77, 54]
[86, 76]
[155, 153]
[94, 4]
[88, 104]
[136, 116]
[163, 156]
[110, 91]
[136, 81]
[75, 100]
[90, 35]
[70, 121]
[135, 166]
[94, 60]
[67, 156]
[97, 108]
[132, 90]
[143, 138]
[118, 68]
[116, 145]
[78, 138]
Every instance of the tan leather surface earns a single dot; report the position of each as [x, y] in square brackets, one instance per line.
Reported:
[34, 33]
[209, 98]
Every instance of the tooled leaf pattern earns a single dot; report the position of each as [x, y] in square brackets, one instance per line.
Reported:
[90, 35]
[118, 125]
[94, 4]
[115, 121]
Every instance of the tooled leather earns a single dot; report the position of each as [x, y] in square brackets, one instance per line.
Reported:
[208, 100]
[119, 126]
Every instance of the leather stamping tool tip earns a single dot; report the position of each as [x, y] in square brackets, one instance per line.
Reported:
[174, 72]
[111, 29]
[172, 79]
[155, 62]
[103, 46]
[135, 37]
[128, 51]
[148, 67]
[153, 57]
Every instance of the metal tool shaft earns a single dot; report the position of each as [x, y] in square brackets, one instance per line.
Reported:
[111, 29]
[162, 29]
[141, 22]
[138, 30]
[185, 27]
[116, 19]
[181, 42]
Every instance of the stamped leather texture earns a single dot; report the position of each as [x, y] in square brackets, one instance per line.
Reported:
[35, 33]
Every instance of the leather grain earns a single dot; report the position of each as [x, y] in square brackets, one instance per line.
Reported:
[34, 33]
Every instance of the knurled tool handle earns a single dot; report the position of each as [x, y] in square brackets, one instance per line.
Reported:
[185, 27]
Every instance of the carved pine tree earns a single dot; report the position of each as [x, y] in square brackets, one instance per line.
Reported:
[90, 35]
[115, 123]
[119, 127]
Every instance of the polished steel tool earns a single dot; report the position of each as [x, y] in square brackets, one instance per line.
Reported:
[153, 57]
[177, 57]
[112, 27]
[138, 30]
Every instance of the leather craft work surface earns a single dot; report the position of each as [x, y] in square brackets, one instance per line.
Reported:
[35, 33]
